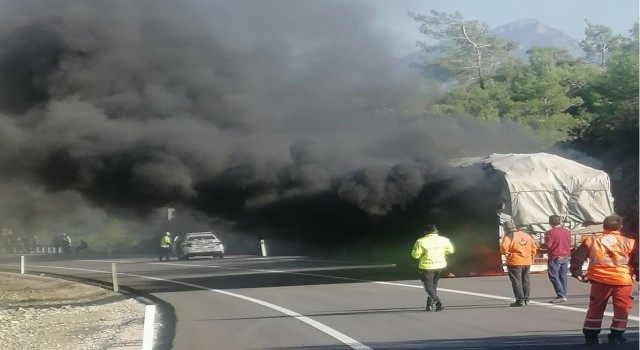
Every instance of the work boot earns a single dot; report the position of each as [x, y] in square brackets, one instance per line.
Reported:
[431, 304]
[591, 341]
[517, 304]
[439, 307]
[591, 336]
[616, 338]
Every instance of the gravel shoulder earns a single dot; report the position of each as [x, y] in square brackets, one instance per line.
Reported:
[42, 312]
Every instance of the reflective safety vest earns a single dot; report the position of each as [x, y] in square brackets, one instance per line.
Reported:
[432, 250]
[165, 242]
[609, 255]
[519, 248]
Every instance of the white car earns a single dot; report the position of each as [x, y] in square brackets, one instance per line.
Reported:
[199, 244]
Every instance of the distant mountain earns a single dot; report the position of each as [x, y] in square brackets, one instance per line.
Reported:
[528, 32]
[531, 33]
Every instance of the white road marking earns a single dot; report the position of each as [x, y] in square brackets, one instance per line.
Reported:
[483, 295]
[326, 268]
[119, 261]
[352, 343]
[311, 322]
[301, 272]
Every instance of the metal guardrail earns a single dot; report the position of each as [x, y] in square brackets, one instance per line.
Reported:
[38, 250]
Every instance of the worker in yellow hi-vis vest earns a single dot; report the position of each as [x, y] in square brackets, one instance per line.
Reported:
[431, 251]
[165, 246]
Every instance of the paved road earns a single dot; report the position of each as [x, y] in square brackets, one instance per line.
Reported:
[247, 302]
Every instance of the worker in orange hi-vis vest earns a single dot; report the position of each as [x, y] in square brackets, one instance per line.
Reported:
[613, 261]
[520, 249]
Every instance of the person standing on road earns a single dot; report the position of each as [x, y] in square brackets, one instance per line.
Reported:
[7, 236]
[66, 243]
[432, 250]
[174, 245]
[165, 246]
[177, 240]
[519, 249]
[613, 260]
[56, 242]
[83, 245]
[558, 243]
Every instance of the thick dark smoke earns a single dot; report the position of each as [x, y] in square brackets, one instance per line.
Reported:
[285, 117]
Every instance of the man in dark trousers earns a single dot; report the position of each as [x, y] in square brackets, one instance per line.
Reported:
[431, 251]
[613, 261]
[519, 249]
[558, 243]
[165, 246]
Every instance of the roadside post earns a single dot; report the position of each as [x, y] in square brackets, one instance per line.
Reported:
[263, 246]
[148, 328]
[114, 277]
[22, 264]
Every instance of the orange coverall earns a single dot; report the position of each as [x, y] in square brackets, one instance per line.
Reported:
[612, 263]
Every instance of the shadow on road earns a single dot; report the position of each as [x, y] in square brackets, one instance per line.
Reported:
[528, 342]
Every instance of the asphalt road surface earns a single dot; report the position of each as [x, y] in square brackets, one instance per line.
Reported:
[249, 302]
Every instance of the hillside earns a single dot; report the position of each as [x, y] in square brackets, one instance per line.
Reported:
[531, 33]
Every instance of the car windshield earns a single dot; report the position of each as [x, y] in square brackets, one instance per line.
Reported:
[193, 238]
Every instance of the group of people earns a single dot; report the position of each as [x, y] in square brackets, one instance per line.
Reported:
[13, 243]
[61, 243]
[613, 262]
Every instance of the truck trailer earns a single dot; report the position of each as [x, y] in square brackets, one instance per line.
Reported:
[534, 186]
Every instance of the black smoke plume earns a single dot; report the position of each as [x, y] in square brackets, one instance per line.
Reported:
[288, 118]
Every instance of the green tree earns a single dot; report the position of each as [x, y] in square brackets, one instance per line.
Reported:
[612, 134]
[630, 44]
[599, 42]
[466, 50]
[541, 92]
[486, 103]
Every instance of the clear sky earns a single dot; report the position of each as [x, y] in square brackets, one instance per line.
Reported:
[565, 15]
